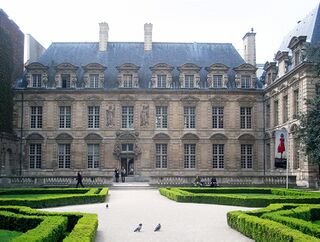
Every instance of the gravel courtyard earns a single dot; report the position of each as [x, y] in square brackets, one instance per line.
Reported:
[183, 222]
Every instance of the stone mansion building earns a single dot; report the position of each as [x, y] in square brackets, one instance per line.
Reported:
[166, 109]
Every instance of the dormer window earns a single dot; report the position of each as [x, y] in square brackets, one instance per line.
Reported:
[94, 80]
[217, 81]
[188, 81]
[65, 81]
[127, 81]
[245, 81]
[161, 81]
[36, 80]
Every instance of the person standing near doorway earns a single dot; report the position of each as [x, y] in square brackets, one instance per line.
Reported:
[116, 174]
[123, 174]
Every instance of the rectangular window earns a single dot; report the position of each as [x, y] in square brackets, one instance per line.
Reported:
[94, 80]
[217, 117]
[36, 117]
[276, 113]
[268, 116]
[93, 155]
[161, 117]
[296, 103]
[93, 117]
[127, 117]
[218, 156]
[189, 156]
[189, 117]
[64, 155]
[127, 147]
[161, 155]
[217, 81]
[161, 81]
[65, 81]
[245, 117]
[127, 81]
[285, 108]
[188, 81]
[35, 154]
[246, 156]
[64, 117]
[245, 81]
[36, 80]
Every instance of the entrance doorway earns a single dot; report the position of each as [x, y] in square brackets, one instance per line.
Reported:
[128, 164]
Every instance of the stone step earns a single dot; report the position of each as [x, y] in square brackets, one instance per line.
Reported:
[131, 185]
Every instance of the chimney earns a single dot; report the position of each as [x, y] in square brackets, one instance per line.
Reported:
[249, 47]
[148, 36]
[103, 36]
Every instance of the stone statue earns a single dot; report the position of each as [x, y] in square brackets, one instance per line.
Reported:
[110, 116]
[144, 116]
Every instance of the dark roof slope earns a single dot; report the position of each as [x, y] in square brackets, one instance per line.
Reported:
[175, 54]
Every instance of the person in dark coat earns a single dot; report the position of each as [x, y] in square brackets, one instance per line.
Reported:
[123, 174]
[79, 180]
[213, 182]
[116, 174]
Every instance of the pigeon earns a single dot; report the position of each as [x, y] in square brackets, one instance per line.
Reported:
[138, 228]
[157, 228]
[107, 205]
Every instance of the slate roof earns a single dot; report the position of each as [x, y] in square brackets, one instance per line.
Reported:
[309, 26]
[118, 53]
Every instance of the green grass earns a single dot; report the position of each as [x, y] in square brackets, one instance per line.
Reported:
[10, 196]
[8, 235]
[316, 222]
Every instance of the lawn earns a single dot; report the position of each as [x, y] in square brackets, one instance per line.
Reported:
[8, 235]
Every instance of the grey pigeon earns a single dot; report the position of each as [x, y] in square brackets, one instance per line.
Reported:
[157, 228]
[107, 205]
[137, 229]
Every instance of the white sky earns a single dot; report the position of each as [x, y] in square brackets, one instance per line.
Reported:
[216, 21]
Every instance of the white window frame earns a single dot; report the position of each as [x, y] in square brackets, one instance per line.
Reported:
[245, 117]
[189, 156]
[93, 156]
[161, 117]
[218, 156]
[189, 113]
[127, 80]
[127, 115]
[36, 117]
[64, 117]
[189, 81]
[93, 117]
[217, 117]
[36, 80]
[65, 81]
[94, 81]
[64, 156]
[161, 156]
[217, 81]
[35, 156]
[161, 81]
[245, 81]
[246, 156]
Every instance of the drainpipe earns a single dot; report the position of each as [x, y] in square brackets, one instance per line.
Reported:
[21, 134]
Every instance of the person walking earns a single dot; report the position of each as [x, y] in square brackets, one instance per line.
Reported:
[116, 174]
[79, 180]
[123, 174]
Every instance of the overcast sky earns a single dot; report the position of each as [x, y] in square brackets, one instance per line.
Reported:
[218, 21]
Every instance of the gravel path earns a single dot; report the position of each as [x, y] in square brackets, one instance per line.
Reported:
[185, 222]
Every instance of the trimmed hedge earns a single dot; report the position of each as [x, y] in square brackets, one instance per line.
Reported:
[81, 196]
[277, 222]
[81, 226]
[233, 196]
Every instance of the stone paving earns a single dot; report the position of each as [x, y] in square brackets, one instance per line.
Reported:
[185, 222]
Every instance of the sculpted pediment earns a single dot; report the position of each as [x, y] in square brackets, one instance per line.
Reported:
[94, 66]
[246, 99]
[218, 137]
[245, 67]
[36, 66]
[92, 136]
[36, 98]
[190, 100]
[161, 100]
[34, 136]
[189, 66]
[161, 136]
[162, 66]
[128, 66]
[216, 100]
[190, 136]
[64, 136]
[64, 98]
[217, 67]
[66, 66]
[127, 135]
[295, 41]
[94, 98]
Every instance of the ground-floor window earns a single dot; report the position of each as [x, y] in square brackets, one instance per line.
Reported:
[35, 156]
[246, 156]
[64, 155]
[93, 155]
[189, 155]
[218, 156]
[161, 155]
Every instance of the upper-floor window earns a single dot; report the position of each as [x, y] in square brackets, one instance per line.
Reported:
[94, 80]
[35, 156]
[127, 147]
[93, 117]
[36, 80]
[64, 155]
[246, 156]
[188, 81]
[161, 81]
[127, 117]
[285, 108]
[245, 117]
[93, 155]
[64, 117]
[217, 81]
[245, 81]
[189, 117]
[276, 113]
[218, 156]
[127, 80]
[217, 117]
[161, 117]
[161, 155]
[189, 155]
[65, 81]
[36, 117]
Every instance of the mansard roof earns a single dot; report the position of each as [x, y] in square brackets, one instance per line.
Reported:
[309, 26]
[119, 53]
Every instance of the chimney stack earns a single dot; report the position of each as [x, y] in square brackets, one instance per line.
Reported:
[249, 47]
[103, 36]
[148, 36]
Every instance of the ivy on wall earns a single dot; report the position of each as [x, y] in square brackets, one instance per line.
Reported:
[6, 93]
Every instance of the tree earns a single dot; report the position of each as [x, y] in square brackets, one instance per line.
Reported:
[309, 129]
